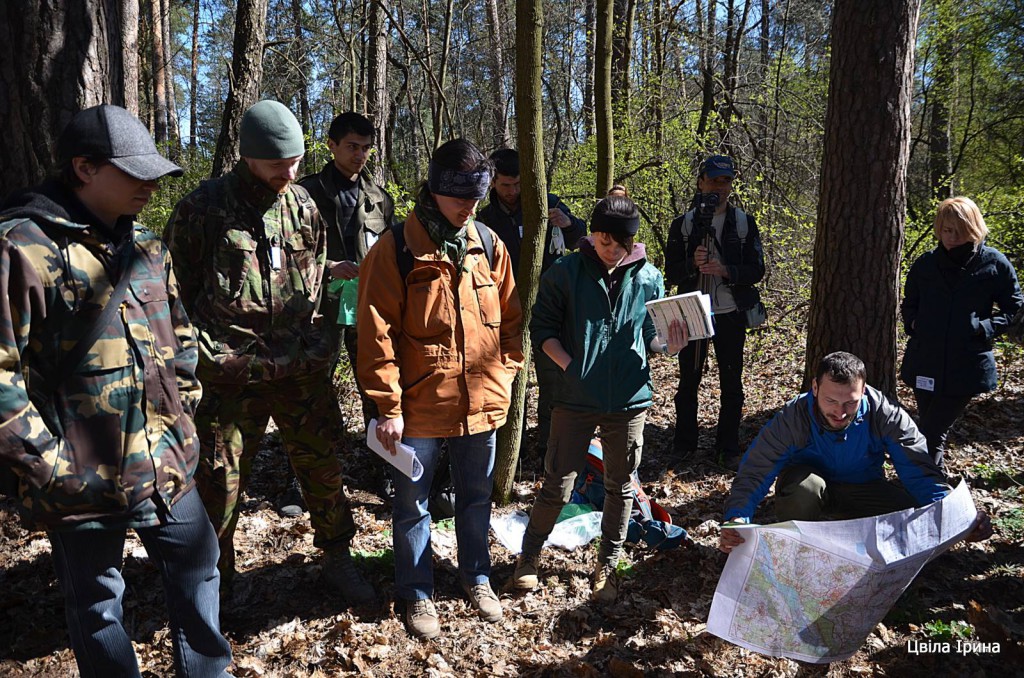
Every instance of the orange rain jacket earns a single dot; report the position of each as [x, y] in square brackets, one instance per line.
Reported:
[439, 350]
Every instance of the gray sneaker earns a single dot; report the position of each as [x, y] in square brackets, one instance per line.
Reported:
[341, 573]
[525, 576]
[421, 619]
[485, 600]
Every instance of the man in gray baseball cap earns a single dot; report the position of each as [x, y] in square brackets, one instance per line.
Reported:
[112, 133]
[97, 391]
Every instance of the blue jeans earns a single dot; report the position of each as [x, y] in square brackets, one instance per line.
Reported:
[472, 464]
[184, 549]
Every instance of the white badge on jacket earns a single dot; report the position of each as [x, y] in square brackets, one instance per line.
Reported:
[926, 383]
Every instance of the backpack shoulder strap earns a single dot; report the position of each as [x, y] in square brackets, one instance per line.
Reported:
[739, 219]
[487, 241]
[402, 253]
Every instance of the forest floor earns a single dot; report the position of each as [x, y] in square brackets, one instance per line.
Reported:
[283, 621]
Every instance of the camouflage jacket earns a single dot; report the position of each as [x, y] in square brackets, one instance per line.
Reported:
[114, 444]
[251, 265]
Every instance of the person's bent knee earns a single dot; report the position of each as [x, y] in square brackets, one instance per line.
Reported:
[800, 495]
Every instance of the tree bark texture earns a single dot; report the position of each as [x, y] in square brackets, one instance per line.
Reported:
[159, 74]
[56, 58]
[862, 208]
[377, 78]
[502, 136]
[193, 110]
[129, 22]
[246, 72]
[603, 98]
[530, 121]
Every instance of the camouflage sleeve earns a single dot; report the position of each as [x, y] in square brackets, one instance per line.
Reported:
[26, 444]
[511, 332]
[184, 238]
[187, 355]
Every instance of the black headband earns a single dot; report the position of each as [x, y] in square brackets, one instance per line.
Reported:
[610, 223]
[458, 184]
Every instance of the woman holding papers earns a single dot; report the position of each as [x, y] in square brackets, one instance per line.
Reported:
[591, 320]
[950, 315]
[438, 348]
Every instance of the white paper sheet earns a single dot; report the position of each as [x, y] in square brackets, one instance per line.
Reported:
[693, 307]
[813, 591]
[405, 460]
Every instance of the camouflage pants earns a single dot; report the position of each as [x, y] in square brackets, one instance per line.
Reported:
[231, 421]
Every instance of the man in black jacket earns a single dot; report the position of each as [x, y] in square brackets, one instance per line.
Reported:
[504, 214]
[727, 270]
[356, 211]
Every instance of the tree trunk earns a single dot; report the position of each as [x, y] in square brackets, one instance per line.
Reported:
[303, 93]
[603, 98]
[246, 73]
[502, 136]
[706, 56]
[940, 163]
[861, 213]
[56, 58]
[622, 52]
[159, 75]
[130, 53]
[193, 105]
[530, 121]
[377, 78]
[173, 133]
[588, 86]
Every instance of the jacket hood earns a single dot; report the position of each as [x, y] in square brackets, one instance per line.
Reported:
[47, 201]
[639, 253]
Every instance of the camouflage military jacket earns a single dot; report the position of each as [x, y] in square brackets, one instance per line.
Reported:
[114, 444]
[251, 266]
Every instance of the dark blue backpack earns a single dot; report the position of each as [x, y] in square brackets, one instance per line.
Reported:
[648, 521]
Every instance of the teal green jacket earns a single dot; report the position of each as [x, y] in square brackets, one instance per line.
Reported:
[607, 337]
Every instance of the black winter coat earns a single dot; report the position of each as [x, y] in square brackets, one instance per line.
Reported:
[949, 315]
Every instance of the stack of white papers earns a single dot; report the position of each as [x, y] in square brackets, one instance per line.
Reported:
[693, 307]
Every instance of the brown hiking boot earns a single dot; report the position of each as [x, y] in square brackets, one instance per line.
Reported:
[421, 619]
[605, 588]
[525, 576]
[485, 601]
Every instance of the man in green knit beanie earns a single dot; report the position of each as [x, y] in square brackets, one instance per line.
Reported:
[250, 249]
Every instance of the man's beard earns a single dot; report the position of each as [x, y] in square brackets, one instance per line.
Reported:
[824, 421]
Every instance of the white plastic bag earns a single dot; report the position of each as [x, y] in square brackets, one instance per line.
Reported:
[569, 534]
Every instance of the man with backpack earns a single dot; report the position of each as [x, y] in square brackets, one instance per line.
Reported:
[250, 250]
[715, 248]
[440, 341]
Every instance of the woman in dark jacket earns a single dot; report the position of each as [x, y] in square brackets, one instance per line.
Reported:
[949, 315]
[591, 320]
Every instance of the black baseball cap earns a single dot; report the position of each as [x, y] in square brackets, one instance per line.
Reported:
[111, 133]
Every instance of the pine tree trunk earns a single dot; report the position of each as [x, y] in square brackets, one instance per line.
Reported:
[159, 74]
[173, 133]
[530, 121]
[129, 22]
[42, 88]
[378, 86]
[193, 105]
[603, 98]
[246, 73]
[501, 135]
[861, 213]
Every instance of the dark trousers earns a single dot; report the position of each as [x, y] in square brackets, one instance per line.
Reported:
[935, 416]
[801, 494]
[547, 382]
[184, 549]
[730, 335]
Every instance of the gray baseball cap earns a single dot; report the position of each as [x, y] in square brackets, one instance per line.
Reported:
[111, 133]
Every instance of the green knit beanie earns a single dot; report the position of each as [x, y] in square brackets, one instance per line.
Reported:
[270, 132]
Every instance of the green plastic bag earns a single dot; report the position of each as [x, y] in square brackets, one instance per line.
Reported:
[348, 295]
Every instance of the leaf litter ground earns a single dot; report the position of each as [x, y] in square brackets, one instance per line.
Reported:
[283, 621]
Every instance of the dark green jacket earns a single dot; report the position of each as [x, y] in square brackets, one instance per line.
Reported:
[607, 339]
